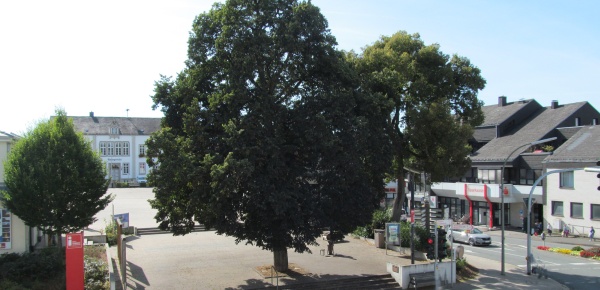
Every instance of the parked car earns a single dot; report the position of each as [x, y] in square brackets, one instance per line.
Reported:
[474, 237]
[141, 179]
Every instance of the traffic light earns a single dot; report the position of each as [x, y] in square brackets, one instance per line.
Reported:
[441, 244]
[598, 164]
[430, 247]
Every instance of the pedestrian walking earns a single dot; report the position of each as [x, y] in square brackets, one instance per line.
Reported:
[549, 228]
[566, 231]
[591, 235]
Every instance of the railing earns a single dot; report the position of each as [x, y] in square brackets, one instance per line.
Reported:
[579, 230]
[277, 277]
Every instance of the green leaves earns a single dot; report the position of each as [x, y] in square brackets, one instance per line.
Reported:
[55, 180]
[266, 135]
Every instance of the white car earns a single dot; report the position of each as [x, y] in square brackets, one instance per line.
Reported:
[474, 237]
[141, 179]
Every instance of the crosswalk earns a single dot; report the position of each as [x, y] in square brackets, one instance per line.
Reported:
[592, 264]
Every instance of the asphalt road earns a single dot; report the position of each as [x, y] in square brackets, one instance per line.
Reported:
[573, 272]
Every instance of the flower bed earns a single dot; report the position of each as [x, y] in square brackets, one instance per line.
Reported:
[593, 253]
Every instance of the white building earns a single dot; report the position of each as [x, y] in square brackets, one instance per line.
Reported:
[121, 143]
[573, 197]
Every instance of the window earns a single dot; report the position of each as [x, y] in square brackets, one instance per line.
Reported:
[557, 208]
[528, 176]
[114, 148]
[595, 121]
[142, 168]
[5, 234]
[142, 150]
[577, 121]
[125, 168]
[488, 175]
[577, 210]
[566, 180]
[114, 131]
[595, 212]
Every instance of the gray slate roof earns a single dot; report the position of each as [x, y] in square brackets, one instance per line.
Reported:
[584, 146]
[127, 126]
[539, 126]
[495, 115]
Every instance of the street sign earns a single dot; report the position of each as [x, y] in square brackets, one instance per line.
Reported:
[462, 227]
[443, 222]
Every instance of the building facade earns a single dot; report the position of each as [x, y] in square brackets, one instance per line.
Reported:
[121, 143]
[572, 197]
[505, 165]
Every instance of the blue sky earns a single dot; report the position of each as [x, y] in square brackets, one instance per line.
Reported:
[104, 56]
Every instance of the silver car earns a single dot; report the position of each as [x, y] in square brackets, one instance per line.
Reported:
[474, 237]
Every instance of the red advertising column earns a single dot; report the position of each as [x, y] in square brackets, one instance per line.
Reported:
[74, 261]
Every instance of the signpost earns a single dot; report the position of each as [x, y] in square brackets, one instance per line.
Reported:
[74, 261]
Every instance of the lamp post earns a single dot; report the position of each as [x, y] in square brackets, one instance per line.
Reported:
[529, 257]
[502, 272]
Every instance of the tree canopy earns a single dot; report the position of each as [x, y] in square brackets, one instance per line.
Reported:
[434, 103]
[266, 136]
[54, 180]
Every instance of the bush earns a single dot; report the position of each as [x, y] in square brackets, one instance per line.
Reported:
[96, 274]
[380, 217]
[461, 264]
[543, 248]
[590, 253]
[361, 232]
[420, 239]
[33, 270]
[111, 232]
[577, 248]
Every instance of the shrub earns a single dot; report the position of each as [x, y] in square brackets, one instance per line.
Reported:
[461, 263]
[380, 217]
[577, 248]
[361, 232]
[96, 274]
[590, 253]
[420, 239]
[29, 269]
[111, 232]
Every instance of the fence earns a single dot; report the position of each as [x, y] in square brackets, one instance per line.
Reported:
[122, 253]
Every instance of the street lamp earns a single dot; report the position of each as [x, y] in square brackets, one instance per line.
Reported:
[502, 272]
[529, 257]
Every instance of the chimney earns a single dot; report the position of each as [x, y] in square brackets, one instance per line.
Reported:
[92, 114]
[501, 101]
[554, 104]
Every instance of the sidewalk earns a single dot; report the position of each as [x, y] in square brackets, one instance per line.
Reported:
[554, 238]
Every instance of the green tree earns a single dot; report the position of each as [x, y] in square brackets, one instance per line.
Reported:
[434, 104]
[266, 136]
[54, 180]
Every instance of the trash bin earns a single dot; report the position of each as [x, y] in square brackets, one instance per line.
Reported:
[380, 238]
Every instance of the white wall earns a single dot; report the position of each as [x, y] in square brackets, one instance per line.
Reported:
[584, 191]
[133, 159]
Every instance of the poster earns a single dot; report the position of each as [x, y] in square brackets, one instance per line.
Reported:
[5, 229]
[393, 233]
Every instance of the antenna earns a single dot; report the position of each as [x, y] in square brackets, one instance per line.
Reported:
[127, 112]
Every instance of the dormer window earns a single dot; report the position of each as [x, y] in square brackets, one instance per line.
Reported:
[114, 131]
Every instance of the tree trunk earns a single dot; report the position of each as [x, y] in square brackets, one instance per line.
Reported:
[400, 197]
[59, 239]
[280, 260]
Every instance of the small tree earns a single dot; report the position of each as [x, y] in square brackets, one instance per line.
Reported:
[54, 180]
